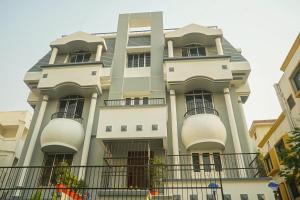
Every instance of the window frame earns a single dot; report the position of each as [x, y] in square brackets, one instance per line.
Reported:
[296, 89]
[142, 57]
[279, 151]
[187, 49]
[201, 93]
[77, 111]
[82, 53]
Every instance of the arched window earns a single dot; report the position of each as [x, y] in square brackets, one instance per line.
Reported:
[199, 101]
[71, 106]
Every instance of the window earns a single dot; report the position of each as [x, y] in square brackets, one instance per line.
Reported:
[136, 101]
[293, 188]
[52, 160]
[227, 197]
[80, 57]
[128, 101]
[217, 161]
[244, 197]
[260, 197]
[206, 162]
[290, 102]
[123, 128]
[280, 149]
[268, 162]
[154, 127]
[94, 73]
[138, 60]
[196, 162]
[296, 79]
[139, 127]
[71, 106]
[193, 50]
[145, 100]
[108, 128]
[199, 101]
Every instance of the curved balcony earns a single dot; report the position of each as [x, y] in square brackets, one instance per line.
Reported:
[203, 129]
[56, 136]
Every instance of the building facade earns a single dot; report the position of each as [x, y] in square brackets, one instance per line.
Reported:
[142, 113]
[271, 138]
[14, 127]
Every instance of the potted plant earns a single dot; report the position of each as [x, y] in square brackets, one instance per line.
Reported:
[80, 189]
[157, 173]
[62, 173]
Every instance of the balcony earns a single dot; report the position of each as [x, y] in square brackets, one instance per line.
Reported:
[203, 129]
[56, 135]
[130, 121]
[69, 78]
[188, 72]
[151, 179]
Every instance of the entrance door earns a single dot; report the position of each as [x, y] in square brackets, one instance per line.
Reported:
[137, 171]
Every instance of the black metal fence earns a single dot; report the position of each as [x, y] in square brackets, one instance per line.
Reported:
[138, 177]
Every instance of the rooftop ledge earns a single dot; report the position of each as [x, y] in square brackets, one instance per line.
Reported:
[71, 64]
[196, 57]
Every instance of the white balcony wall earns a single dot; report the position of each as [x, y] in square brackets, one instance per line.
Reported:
[131, 116]
[189, 68]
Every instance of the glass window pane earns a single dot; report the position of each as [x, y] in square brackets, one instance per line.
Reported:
[141, 60]
[206, 162]
[199, 104]
[128, 101]
[217, 162]
[201, 51]
[73, 58]
[130, 61]
[184, 52]
[148, 59]
[62, 106]
[145, 100]
[296, 78]
[196, 162]
[79, 108]
[71, 108]
[189, 103]
[136, 60]
[87, 57]
[193, 52]
[136, 101]
[79, 58]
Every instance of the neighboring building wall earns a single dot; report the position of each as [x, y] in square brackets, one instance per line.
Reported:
[13, 132]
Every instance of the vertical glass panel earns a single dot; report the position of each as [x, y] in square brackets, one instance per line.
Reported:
[296, 79]
[193, 51]
[128, 101]
[190, 103]
[217, 162]
[80, 58]
[141, 60]
[62, 106]
[73, 59]
[206, 162]
[148, 59]
[71, 108]
[145, 100]
[136, 101]
[199, 104]
[87, 57]
[135, 60]
[184, 52]
[196, 162]
[79, 108]
[130, 61]
[208, 103]
[201, 51]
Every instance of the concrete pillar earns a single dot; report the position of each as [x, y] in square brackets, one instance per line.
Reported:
[234, 133]
[174, 133]
[219, 46]
[99, 52]
[53, 55]
[88, 133]
[19, 135]
[170, 49]
[33, 138]
[249, 140]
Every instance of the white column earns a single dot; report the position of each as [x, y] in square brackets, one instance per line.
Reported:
[234, 133]
[174, 133]
[219, 46]
[88, 133]
[99, 52]
[170, 49]
[249, 140]
[19, 135]
[33, 138]
[53, 55]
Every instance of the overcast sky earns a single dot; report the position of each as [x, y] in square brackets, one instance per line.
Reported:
[263, 29]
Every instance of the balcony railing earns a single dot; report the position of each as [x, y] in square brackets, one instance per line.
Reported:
[136, 178]
[134, 102]
[67, 115]
[201, 110]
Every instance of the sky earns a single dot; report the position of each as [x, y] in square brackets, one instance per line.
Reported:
[264, 29]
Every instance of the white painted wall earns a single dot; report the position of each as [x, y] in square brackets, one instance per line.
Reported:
[137, 72]
[132, 116]
[185, 69]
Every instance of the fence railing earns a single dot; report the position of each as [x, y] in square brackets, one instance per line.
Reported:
[137, 178]
[67, 115]
[201, 110]
[134, 102]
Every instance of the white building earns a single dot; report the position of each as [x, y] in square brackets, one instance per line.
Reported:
[13, 132]
[149, 113]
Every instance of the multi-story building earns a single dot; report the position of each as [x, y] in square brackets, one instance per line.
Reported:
[145, 112]
[271, 136]
[13, 132]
